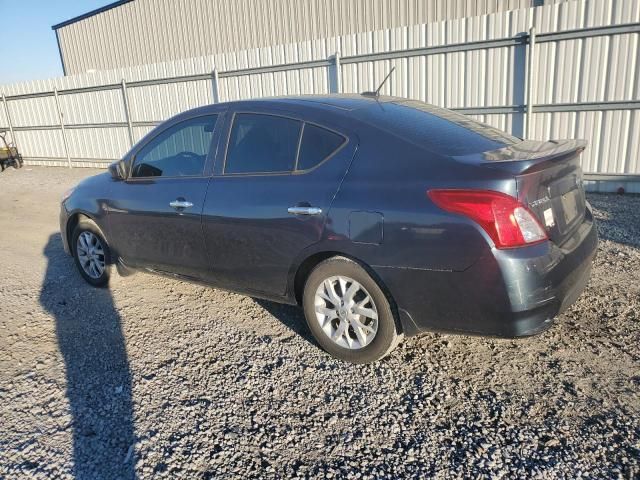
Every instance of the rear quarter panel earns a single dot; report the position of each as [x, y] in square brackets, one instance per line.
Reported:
[391, 177]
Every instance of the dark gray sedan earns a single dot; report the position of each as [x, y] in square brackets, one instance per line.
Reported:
[382, 217]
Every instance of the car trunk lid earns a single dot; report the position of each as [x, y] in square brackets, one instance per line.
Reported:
[548, 179]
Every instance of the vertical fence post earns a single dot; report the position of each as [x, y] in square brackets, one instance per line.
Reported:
[337, 72]
[6, 110]
[127, 112]
[64, 135]
[215, 85]
[530, 81]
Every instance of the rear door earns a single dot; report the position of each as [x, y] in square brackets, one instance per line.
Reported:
[155, 214]
[270, 196]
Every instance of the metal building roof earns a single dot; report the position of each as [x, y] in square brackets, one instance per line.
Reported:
[90, 14]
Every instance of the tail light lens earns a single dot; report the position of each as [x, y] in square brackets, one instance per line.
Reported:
[507, 221]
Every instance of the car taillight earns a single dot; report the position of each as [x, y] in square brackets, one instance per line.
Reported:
[508, 222]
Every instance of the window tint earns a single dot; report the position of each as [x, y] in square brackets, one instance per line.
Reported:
[262, 143]
[317, 144]
[178, 151]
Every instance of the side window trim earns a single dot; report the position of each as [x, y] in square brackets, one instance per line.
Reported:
[346, 140]
[295, 165]
[206, 172]
[295, 170]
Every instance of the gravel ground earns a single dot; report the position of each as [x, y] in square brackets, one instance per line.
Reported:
[159, 378]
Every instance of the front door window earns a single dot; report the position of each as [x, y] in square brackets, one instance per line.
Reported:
[179, 151]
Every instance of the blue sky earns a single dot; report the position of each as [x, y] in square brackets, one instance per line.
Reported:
[28, 48]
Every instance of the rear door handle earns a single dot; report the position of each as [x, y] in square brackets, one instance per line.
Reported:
[304, 210]
[180, 204]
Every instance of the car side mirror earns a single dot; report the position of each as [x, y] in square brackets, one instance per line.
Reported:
[116, 169]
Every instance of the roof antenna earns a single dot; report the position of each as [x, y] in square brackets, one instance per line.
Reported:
[376, 94]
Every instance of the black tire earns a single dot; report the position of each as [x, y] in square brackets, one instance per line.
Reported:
[388, 334]
[86, 225]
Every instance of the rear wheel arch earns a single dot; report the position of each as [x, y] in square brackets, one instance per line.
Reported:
[308, 264]
[305, 268]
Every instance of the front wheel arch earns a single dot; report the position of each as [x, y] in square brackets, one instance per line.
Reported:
[74, 219]
[86, 225]
[72, 223]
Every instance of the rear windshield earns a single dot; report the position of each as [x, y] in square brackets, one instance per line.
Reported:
[439, 130]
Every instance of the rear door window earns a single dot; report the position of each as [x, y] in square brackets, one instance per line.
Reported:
[179, 151]
[261, 143]
[317, 144]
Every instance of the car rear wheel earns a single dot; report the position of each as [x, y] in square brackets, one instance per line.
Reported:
[348, 313]
[91, 253]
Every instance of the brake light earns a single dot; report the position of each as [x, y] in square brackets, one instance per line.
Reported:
[508, 222]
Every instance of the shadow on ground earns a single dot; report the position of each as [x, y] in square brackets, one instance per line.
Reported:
[290, 316]
[91, 341]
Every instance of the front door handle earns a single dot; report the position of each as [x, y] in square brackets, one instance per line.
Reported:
[180, 204]
[304, 210]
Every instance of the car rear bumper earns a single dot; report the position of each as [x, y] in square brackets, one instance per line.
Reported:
[510, 293]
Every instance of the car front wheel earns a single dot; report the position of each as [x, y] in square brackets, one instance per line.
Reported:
[91, 253]
[348, 313]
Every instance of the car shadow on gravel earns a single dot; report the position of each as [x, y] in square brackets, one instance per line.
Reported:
[290, 316]
[91, 341]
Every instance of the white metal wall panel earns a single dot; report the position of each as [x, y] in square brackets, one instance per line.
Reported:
[188, 28]
[90, 107]
[41, 143]
[293, 82]
[590, 70]
[589, 126]
[461, 79]
[586, 70]
[35, 111]
[159, 102]
[94, 143]
[4, 122]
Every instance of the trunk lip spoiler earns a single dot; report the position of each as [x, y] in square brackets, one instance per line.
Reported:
[526, 156]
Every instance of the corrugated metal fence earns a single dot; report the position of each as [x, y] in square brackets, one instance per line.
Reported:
[582, 61]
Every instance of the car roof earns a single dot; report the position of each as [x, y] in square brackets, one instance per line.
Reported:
[432, 128]
[337, 102]
[349, 102]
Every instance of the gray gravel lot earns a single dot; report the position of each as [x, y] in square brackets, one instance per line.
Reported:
[158, 378]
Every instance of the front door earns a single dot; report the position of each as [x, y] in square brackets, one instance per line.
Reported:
[155, 214]
[269, 199]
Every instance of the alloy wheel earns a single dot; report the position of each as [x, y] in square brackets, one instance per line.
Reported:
[90, 254]
[346, 312]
